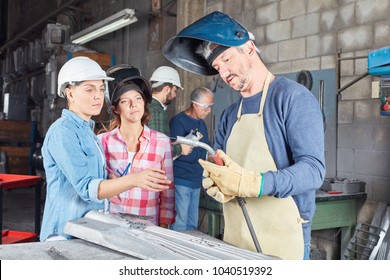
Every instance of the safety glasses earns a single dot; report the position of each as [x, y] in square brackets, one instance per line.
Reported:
[204, 106]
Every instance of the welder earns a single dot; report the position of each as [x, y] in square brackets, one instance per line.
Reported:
[271, 140]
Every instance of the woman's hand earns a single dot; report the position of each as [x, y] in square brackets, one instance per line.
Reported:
[152, 179]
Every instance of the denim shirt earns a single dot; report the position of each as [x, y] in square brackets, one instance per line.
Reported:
[74, 166]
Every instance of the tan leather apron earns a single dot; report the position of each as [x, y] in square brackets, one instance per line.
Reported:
[276, 221]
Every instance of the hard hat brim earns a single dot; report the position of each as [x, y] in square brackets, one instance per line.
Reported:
[97, 78]
[141, 82]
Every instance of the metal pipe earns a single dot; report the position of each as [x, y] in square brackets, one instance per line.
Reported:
[194, 143]
[321, 101]
[352, 58]
[321, 95]
[352, 82]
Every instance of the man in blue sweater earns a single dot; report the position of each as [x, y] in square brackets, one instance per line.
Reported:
[186, 168]
[271, 140]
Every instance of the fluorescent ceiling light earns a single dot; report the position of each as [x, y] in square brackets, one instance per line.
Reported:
[108, 25]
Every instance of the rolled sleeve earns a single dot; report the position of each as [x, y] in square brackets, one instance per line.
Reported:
[93, 190]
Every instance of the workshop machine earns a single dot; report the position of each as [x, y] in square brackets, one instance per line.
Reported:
[379, 65]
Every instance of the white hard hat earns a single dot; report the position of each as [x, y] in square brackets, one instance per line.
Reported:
[80, 69]
[165, 74]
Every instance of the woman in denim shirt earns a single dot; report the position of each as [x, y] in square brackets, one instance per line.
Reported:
[73, 157]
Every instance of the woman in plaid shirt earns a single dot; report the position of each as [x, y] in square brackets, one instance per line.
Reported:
[130, 146]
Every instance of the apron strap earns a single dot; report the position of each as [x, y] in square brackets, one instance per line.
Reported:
[239, 111]
[262, 102]
[265, 91]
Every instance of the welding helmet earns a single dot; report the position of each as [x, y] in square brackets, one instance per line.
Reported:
[165, 74]
[121, 72]
[80, 69]
[217, 28]
[127, 78]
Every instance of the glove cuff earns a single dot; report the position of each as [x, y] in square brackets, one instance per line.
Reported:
[261, 185]
[251, 185]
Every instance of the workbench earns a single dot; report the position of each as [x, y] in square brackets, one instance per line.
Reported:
[337, 211]
[79, 249]
[74, 249]
[332, 211]
[15, 181]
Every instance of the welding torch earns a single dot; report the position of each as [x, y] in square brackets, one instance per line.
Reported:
[217, 160]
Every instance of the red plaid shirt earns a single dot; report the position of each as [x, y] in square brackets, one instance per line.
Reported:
[155, 151]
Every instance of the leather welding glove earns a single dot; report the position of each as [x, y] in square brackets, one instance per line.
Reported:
[212, 190]
[232, 179]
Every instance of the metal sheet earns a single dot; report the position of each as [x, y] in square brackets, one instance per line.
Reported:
[142, 240]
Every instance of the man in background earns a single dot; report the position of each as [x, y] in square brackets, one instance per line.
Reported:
[165, 82]
[186, 168]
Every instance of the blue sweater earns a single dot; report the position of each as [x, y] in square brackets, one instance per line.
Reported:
[186, 169]
[295, 136]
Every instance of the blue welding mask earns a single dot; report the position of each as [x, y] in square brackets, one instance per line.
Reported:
[217, 28]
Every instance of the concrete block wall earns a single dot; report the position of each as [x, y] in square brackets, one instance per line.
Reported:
[297, 34]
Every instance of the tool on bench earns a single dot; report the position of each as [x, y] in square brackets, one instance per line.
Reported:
[188, 140]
